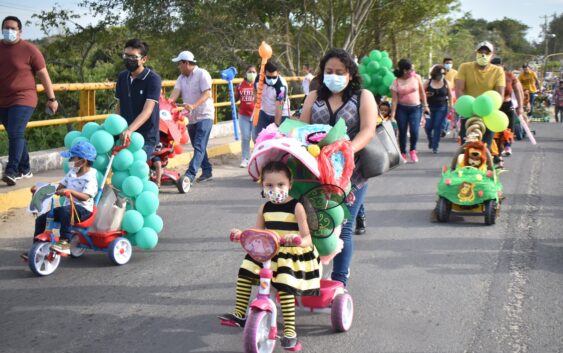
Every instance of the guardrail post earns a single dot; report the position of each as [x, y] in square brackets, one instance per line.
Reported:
[87, 104]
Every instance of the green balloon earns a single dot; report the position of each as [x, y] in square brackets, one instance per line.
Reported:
[139, 169]
[102, 141]
[388, 80]
[66, 168]
[373, 67]
[366, 80]
[117, 179]
[363, 69]
[496, 97]
[69, 137]
[100, 178]
[464, 106]
[386, 62]
[497, 121]
[375, 55]
[384, 54]
[325, 245]
[140, 155]
[137, 142]
[115, 124]
[101, 162]
[89, 129]
[365, 60]
[132, 186]
[483, 105]
[150, 186]
[337, 214]
[133, 221]
[155, 222]
[146, 238]
[146, 203]
[123, 160]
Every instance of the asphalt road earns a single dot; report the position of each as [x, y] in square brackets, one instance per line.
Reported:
[418, 286]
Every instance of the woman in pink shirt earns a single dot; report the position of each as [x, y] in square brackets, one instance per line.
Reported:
[408, 100]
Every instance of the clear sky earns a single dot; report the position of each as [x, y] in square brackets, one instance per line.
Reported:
[526, 11]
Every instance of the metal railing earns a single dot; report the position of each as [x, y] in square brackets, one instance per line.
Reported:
[87, 101]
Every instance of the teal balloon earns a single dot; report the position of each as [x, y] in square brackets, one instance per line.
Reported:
[123, 160]
[140, 155]
[366, 80]
[133, 221]
[464, 106]
[154, 221]
[146, 203]
[137, 142]
[115, 124]
[375, 55]
[129, 206]
[365, 60]
[100, 178]
[89, 129]
[117, 179]
[483, 105]
[362, 69]
[139, 169]
[69, 137]
[386, 62]
[131, 238]
[79, 139]
[373, 67]
[66, 168]
[146, 238]
[101, 162]
[150, 186]
[132, 186]
[102, 141]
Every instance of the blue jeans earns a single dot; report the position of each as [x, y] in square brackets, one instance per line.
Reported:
[246, 128]
[434, 125]
[263, 121]
[532, 100]
[62, 215]
[199, 137]
[341, 265]
[361, 211]
[149, 149]
[15, 120]
[408, 117]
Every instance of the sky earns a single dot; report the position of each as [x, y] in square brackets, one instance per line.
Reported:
[526, 11]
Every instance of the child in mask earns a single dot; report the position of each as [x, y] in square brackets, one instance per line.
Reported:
[245, 93]
[82, 184]
[295, 268]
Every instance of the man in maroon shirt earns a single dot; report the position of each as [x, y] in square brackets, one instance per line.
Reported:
[21, 61]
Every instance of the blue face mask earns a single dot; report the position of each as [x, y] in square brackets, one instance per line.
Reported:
[9, 35]
[447, 66]
[335, 83]
[271, 81]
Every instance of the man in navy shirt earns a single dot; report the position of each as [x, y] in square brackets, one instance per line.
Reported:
[138, 90]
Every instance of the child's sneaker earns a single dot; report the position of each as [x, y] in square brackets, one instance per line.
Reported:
[244, 163]
[232, 320]
[413, 156]
[404, 157]
[290, 344]
[62, 247]
[507, 151]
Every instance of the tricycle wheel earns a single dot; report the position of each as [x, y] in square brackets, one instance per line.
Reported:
[42, 260]
[342, 312]
[183, 185]
[256, 332]
[490, 212]
[120, 251]
[443, 209]
[75, 249]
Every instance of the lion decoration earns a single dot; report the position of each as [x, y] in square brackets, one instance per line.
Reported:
[475, 155]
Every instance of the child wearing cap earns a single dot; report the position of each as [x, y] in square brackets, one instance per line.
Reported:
[81, 185]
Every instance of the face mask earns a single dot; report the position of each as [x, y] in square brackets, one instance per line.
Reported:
[131, 65]
[9, 35]
[276, 195]
[271, 81]
[250, 76]
[75, 166]
[335, 83]
[448, 66]
[483, 59]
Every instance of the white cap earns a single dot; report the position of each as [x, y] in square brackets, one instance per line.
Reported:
[485, 44]
[185, 56]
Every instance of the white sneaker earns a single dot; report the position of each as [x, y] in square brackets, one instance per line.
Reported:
[244, 163]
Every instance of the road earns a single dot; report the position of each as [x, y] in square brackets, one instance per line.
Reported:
[418, 286]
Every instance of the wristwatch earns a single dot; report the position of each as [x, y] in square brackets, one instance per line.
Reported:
[52, 99]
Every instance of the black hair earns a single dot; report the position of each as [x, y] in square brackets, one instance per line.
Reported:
[307, 66]
[138, 44]
[89, 163]
[525, 66]
[248, 67]
[271, 66]
[354, 85]
[275, 167]
[436, 70]
[447, 59]
[402, 66]
[12, 18]
[385, 103]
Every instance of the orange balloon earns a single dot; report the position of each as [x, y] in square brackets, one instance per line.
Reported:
[178, 149]
[184, 139]
[265, 50]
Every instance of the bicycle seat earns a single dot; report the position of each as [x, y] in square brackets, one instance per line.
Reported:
[87, 222]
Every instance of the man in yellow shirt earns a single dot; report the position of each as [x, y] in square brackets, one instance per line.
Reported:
[451, 73]
[530, 82]
[477, 77]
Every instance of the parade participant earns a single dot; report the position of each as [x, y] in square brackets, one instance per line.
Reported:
[21, 62]
[476, 77]
[307, 79]
[194, 84]
[138, 91]
[295, 268]
[409, 99]
[245, 93]
[558, 102]
[451, 73]
[275, 104]
[439, 99]
[340, 96]
[529, 80]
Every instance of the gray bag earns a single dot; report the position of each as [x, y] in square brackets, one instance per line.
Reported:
[111, 210]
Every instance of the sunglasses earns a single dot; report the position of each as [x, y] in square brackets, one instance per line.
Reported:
[271, 77]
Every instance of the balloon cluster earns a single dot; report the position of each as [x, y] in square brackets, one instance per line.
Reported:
[375, 70]
[486, 106]
[130, 176]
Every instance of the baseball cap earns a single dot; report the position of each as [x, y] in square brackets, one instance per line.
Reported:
[82, 149]
[185, 56]
[485, 44]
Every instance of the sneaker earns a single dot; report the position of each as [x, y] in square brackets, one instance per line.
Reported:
[435, 151]
[413, 156]
[207, 177]
[507, 151]
[244, 163]
[24, 175]
[62, 247]
[290, 344]
[360, 225]
[404, 157]
[443, 133]
[232, 320]
[9, 179]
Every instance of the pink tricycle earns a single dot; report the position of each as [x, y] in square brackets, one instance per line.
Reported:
[260, 330]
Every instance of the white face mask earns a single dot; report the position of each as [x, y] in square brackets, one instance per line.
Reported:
[10, 35]
[276, 195]
[271, 82]
[448, 66]
[75, 165]
[335, 83]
